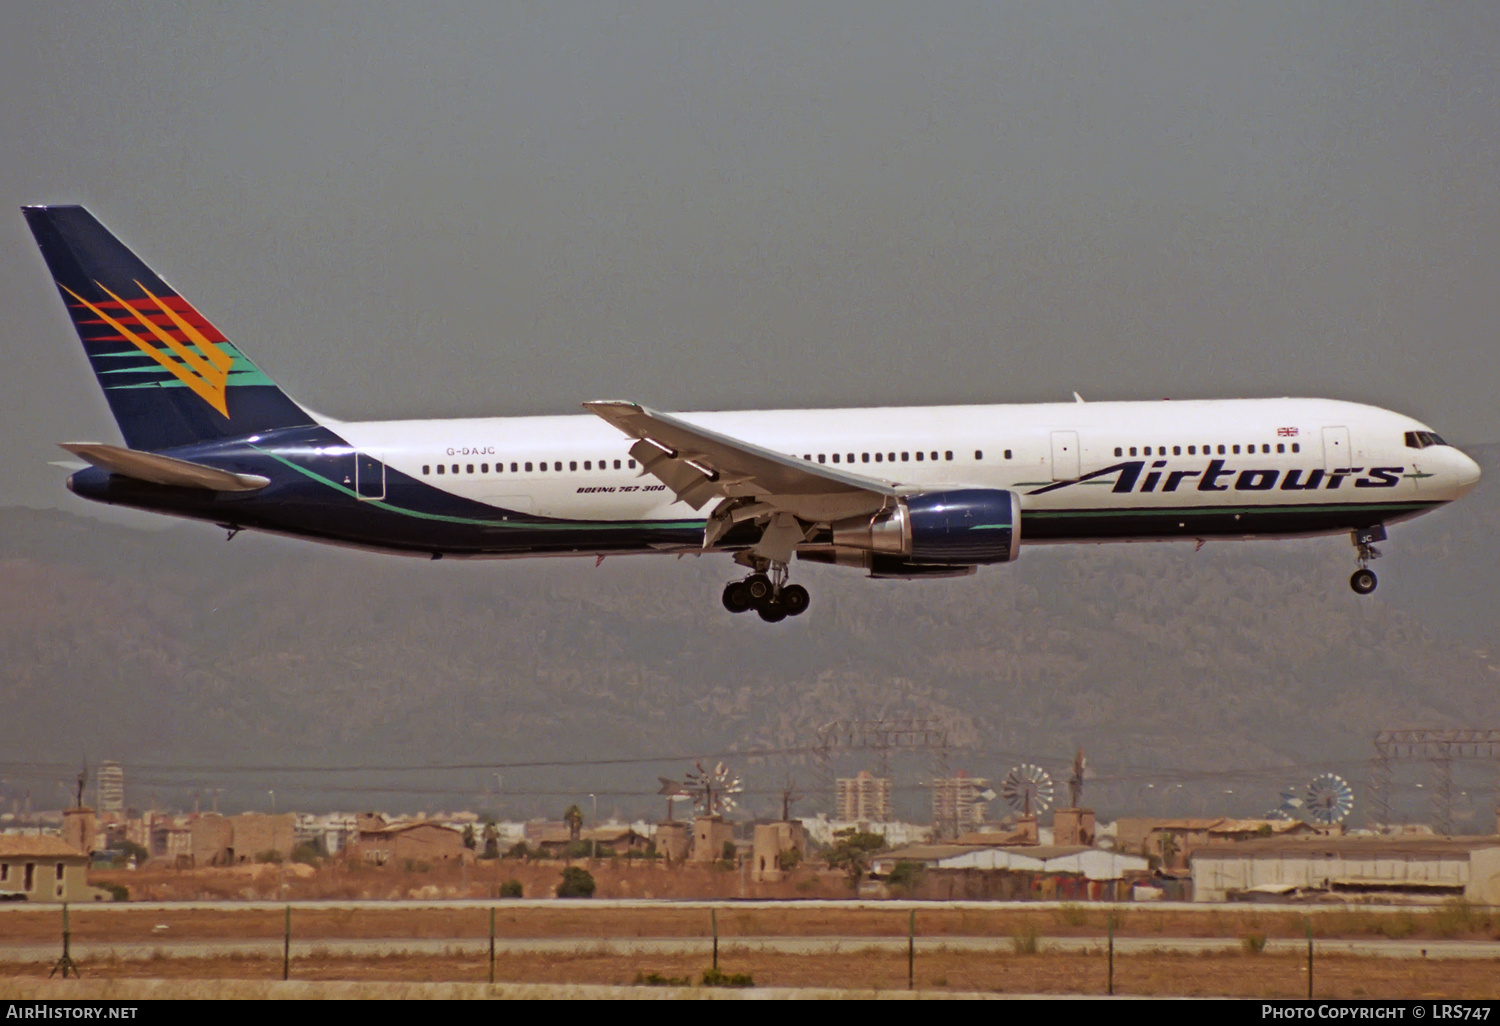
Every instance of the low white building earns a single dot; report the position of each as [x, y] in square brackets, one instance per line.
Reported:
[1467, 867]
[1089, 863]
[824, 830]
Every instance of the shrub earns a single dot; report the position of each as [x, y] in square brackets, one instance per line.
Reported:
[905, 875]
[270, 855]
[511, 889]
[658, 980]
[310, 852]
[1254, 943]
[1023, 939]
[1456, 917]
[1072, 915]
[1398, 925]
[719, 978]
[577, 882]
[518, 851]
[117, 892]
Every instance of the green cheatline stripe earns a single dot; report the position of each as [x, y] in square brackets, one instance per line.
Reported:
[443, 518]
[1393, 507]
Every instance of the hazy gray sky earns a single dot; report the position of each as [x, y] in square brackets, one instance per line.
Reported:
[489, 209]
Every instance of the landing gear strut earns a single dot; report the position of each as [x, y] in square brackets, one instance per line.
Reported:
[767, 593]
[1364, 580]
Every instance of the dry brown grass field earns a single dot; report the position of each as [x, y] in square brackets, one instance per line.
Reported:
[1004, 967]
[1158, 974]
[583, 919]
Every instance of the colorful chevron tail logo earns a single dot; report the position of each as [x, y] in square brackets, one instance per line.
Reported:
[205, 371]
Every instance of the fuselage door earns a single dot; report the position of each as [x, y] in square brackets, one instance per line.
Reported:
[1336, 452]
[369, 477]
[1065, 456]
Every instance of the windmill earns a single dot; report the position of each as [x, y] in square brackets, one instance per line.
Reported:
[1075, 782]
[789, 795]
[674, 792]
[1328, 799]
[713, 790]
[1027, 789]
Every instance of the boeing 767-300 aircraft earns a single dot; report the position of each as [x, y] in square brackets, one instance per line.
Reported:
[901, 492]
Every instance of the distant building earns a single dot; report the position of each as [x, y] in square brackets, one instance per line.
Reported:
[863, 797]
[612, 839]
[1281, 866]
[1174, 840]
[957, 802]
[1050, 872]
[772, 843]
[257, 834]
[44, 868]
[81, 828]
[110, 782]
[709, 836]
[422, 841]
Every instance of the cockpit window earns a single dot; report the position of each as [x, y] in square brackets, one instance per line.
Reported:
[1423, 439]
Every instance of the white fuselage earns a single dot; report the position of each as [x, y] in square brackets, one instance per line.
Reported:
[577, 467]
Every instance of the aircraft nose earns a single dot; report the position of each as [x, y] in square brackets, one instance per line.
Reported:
[1467, 471]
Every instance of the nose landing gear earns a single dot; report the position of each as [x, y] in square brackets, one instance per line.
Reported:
[1364, 580]
[769, 595]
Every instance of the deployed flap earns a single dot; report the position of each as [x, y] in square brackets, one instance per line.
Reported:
[699, 465]
[163, 470]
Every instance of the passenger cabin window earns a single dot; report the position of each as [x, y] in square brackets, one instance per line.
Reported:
[572, 464]
[822, 457]
[441, 469]
[948, 456]
[1296, 447]
[426, 468]
[455, 468]
[905, 457]
[919, 457]
[528, 468]
[470, 468]
[1007, 454]
[1118, 451]
[835, 457]
[978, 455]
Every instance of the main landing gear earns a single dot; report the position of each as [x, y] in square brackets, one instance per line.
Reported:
[768, 594]
[1364, 580]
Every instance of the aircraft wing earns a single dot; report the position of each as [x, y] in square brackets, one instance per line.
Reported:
[699, 465]
[163, 470]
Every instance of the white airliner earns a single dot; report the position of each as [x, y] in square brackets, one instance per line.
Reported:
[907, 492]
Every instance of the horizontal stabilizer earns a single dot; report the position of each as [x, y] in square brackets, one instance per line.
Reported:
[163, 470]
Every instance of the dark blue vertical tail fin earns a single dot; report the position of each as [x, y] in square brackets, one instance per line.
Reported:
[171, 378]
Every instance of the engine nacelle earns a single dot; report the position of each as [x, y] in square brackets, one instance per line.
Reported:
[964, 527]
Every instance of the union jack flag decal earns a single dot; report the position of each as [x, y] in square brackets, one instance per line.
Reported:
[1286, 432]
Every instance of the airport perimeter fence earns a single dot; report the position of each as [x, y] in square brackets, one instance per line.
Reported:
[1067, 948]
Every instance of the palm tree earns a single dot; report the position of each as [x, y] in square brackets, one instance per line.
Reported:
[574, 818]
